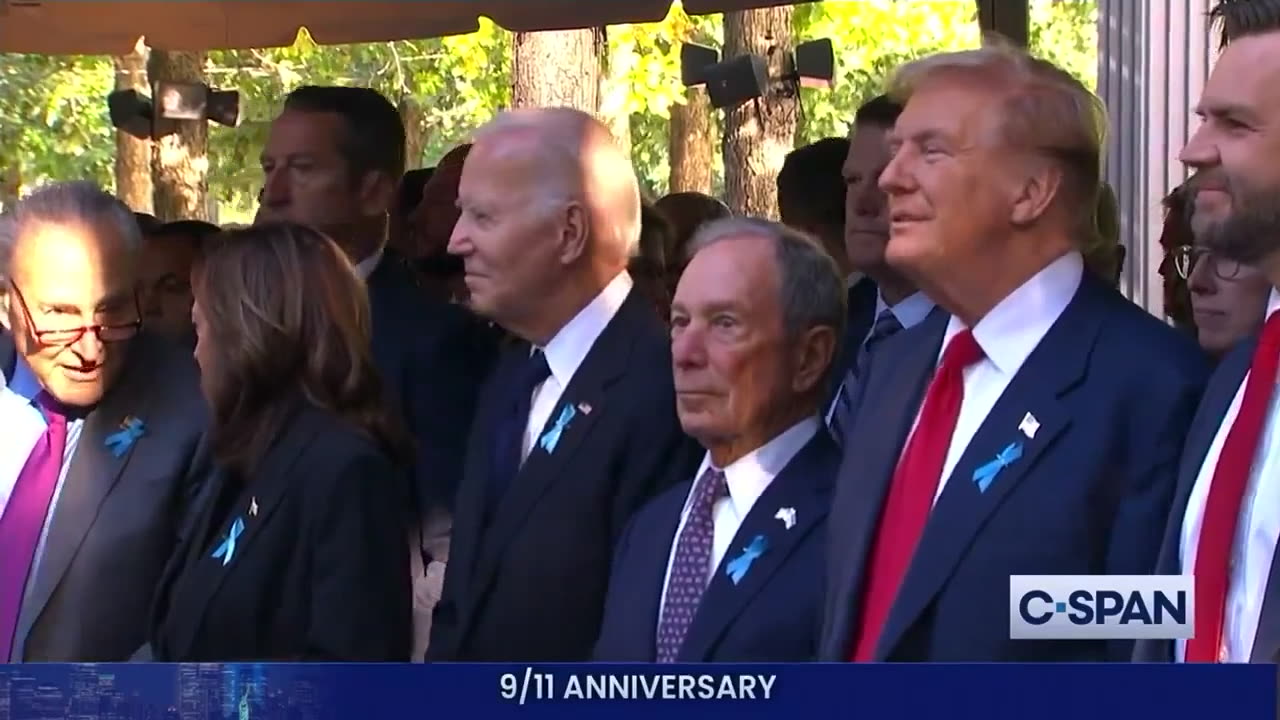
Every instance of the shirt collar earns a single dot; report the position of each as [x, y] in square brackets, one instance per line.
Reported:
[365, 267]
[910, 311]
[1273, 303]
[1016, 325]
[24, 383]
[566, 351]
[749, 476]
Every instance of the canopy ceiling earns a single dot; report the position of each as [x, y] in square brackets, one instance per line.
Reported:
[112, 27]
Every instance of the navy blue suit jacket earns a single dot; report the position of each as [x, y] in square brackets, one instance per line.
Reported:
[860, 316]
[1114, 391]
[1223, 386]
[529, 584]
[770, 614]
[433, 357]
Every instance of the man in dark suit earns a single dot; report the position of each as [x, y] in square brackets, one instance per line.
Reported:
[1225, 522]
[333, 160]
[1036, 428]
[882, 300]
[727, 566]
[100, 453]
[577, 427]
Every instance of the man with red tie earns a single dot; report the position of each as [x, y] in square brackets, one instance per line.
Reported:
[1225, 522]
[1033, 423]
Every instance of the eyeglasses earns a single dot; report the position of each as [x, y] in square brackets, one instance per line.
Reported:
[105, 332]
[1186, 257]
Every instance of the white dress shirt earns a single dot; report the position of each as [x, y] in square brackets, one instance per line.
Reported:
[23, 425]
[365, 267]
[1256, 531]
[1007, 335]
[566, 351]
[747, 477]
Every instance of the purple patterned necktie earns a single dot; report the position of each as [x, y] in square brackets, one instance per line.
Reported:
[691, 567]
[23, 519]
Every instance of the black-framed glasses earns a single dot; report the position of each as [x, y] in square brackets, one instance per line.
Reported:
[1187, 257]
[105, 332]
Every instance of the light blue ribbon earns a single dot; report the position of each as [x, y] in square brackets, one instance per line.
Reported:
[984, 475]
[551, 437]
[228, 547]
[737, 568]
[120, 441]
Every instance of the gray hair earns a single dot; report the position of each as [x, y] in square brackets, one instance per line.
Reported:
[812, 290]
[65, 203]
[609, 179]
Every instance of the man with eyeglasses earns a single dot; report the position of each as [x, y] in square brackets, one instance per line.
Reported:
[1228, 299]
[101, 446]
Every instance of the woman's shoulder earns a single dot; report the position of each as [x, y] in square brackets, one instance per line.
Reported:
[335, 444]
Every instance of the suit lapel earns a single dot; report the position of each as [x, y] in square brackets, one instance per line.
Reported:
[1055, 366]
[264, 492]
[895, 386]
[651, 571]
[803, 486]
[94, 469]
[586, 394]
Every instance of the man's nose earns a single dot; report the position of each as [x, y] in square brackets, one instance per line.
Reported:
[88, 348]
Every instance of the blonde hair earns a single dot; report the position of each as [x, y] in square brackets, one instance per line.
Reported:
[1044, 108]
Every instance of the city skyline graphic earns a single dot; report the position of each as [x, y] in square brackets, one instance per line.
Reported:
[206, 691]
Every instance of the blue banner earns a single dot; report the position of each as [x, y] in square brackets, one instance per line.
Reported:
[479, 692]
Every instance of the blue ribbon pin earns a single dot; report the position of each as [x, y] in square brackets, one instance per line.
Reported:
[228, 546]
[551, 437]
[737, 568]
[120, 441]
[984, 475]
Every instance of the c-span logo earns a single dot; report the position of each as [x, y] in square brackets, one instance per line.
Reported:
[1101, 607]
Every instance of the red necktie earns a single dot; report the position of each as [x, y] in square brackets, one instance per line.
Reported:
[915, 483]
[1226, 492]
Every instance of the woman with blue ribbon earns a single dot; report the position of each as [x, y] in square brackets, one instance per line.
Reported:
[298, 550]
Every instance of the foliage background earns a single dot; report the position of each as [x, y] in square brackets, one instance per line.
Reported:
[55, 121]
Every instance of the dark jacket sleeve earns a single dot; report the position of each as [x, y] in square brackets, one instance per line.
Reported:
[361, 600]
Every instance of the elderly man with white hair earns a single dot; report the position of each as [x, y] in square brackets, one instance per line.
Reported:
[1032, 425]
[100, 450]
[577, 427]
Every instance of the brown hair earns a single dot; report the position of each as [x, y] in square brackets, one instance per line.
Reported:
[287, 322]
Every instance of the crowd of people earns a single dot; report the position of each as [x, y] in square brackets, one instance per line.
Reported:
[506, 409]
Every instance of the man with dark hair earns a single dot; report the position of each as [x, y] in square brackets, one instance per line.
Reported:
[811, 194]
[1225, 523]
[334, 160]
[164, 276]
[882, 301]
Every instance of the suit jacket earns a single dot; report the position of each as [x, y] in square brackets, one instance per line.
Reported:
[530, 584]
[319, 571]
[769, 616]
[1217, 400]
[859, 318]
[117, 519]
[433, 357]
[1113, 390]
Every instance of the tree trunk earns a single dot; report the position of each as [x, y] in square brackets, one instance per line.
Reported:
[179, 161]
[614, 95]
[133, 155]
[558, 68]
[689, 143]
[415, 140]
[10, 186]
[758, 135]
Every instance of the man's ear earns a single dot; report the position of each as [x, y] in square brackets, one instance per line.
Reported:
[377, 193]
[576, 228]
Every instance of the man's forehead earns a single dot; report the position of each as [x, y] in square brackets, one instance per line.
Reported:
[1246, 76]
[48, 247]
[304, 130]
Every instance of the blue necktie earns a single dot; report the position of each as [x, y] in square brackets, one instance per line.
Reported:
[508, 436]
[885, 326]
